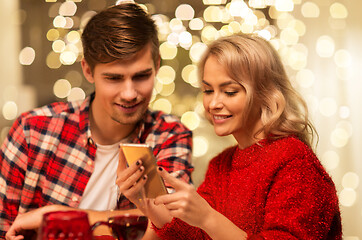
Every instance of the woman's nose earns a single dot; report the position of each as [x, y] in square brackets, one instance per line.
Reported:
[216, 102]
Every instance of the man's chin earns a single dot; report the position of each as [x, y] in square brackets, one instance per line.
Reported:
[129, 119]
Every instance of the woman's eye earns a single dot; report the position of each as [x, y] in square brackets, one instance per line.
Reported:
[206, 91]
[231, 93]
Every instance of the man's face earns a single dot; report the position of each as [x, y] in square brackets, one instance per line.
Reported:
[123, 88]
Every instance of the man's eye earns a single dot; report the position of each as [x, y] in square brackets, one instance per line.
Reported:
[112, 78]
[142, 76]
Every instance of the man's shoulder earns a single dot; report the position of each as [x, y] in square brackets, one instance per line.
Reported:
[54, 109]
[163, 121]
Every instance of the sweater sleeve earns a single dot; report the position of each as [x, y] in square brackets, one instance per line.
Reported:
[301, 204]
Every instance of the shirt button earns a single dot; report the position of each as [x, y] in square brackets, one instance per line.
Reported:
[74, 199]
[90, 162]
[91, 141]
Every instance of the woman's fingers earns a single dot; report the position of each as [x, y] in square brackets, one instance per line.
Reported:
[177, 184]
[123, 175]
[130, 176]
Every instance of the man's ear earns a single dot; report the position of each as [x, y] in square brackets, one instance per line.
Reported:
[158, 63]
[87, 71]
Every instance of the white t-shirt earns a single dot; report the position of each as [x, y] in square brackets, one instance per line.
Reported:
[101, 190]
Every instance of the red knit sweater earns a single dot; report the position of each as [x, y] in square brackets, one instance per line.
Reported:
[276, 189]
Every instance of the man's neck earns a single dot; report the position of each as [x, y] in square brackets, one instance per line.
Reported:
[106, 131]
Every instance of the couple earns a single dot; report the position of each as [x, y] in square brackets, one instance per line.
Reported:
[269, 186]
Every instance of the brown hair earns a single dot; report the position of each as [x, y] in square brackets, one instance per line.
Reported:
[256, 65]
[119, 32]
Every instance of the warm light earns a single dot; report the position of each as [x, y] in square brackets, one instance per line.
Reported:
[185, 39]
[338, 10]
[68, 57]
[310, 10]
[196, 24]
[344, 112]
[284, 5]
[10, 110]
[330, 160]
[58, 46]
[27, 56]
[208, 34]
[162, 104]
[305, 78]
[325, 46]
[53, 60]
[328, 107]
[166, 74]
[167, 89]
[73, 36]
[213, 14]
[76, 94]
[68, 8]
[53, 34]
[184, 12]
[350, 180]
[168, 51]
[196, 51]
[176, 25]
[189, 73]
[214, 2]
[201, 146]
[347, 197]
[191, 120]
[238, 8]
[62, 88]
[342, 58]
[339, 137]
[59, 22]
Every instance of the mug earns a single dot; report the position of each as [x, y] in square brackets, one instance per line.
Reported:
[125, 227]
[65, 225]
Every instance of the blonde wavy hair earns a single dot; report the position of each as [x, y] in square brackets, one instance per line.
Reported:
[256, 65]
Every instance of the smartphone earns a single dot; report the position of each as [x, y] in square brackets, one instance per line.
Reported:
[154, 185]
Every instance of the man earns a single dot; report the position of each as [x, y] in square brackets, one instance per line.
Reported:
[65, 155]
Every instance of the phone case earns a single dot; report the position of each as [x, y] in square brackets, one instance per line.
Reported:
[154, 186]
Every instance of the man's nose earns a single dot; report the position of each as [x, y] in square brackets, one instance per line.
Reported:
[128, 91]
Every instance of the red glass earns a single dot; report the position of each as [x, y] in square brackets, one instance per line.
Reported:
[71, 225]
[125, 227]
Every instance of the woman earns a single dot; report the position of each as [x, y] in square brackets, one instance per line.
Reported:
[270, 185]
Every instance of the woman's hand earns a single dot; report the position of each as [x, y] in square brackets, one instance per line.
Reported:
[185, 204]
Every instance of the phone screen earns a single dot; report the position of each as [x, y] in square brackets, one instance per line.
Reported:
[154, 186]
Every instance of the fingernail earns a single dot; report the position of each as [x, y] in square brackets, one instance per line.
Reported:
[138, 162]
[160, 168]
[144, 177]
[141, 168]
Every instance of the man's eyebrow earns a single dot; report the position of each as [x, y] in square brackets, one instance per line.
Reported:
[112, 75]
[148, 70]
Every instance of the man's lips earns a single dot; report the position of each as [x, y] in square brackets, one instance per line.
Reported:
[128, 107]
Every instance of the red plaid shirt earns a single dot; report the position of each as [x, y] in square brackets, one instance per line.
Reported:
[48, 156]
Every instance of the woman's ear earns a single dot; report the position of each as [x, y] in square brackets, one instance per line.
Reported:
[87, 71]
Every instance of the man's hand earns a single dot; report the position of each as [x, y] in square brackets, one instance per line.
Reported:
[30, 220]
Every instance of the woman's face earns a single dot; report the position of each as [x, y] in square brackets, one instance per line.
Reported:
[224, 99]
